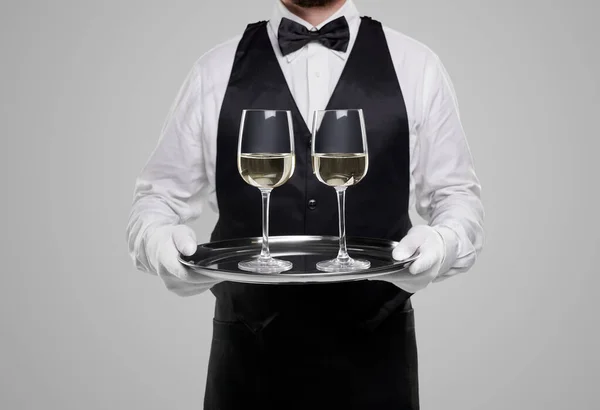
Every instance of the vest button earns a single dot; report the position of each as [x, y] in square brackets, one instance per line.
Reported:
[312, 204]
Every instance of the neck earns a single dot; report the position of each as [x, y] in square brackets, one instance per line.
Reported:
[314, 15]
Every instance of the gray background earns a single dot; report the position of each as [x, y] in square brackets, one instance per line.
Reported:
[85, 87]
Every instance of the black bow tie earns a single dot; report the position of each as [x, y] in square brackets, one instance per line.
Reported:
[293, 36]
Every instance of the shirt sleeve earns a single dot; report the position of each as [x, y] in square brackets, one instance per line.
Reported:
[446, 187]
[170, 187]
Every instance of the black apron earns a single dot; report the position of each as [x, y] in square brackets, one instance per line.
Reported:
[319, 346]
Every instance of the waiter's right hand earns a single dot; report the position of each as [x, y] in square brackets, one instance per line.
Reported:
[163, 246]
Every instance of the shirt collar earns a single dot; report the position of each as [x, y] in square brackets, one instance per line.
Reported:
[348, 10]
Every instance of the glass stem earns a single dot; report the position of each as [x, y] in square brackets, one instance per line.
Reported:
[343, 252]
[265, 254]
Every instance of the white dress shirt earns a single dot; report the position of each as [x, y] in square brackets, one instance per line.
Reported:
[178, 179]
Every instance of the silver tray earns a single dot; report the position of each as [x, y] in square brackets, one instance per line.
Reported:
[219, 259]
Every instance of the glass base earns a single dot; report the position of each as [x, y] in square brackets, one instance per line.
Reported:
[349, 265]
[267, 265]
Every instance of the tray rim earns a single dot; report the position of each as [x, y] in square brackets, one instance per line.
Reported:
[282, 278]
[312, 238]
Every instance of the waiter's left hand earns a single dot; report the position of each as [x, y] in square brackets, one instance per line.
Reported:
[430, 245]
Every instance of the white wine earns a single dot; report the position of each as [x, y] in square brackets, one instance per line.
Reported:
[266, 170]
[340, 169]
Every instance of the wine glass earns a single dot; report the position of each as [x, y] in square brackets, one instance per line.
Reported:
[266, 160]
[340, 159]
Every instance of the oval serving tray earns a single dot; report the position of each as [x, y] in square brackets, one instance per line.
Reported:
[219, 259]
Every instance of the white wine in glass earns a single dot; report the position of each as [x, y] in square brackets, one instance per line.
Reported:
[266, 171]
[266, 160]
[340, 159]
[340, 170]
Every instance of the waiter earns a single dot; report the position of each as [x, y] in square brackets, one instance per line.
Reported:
[319, 346]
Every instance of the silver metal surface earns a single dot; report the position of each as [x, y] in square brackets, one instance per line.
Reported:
[219, 259]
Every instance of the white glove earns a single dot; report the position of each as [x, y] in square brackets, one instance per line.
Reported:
[163, 246]
[432, 252]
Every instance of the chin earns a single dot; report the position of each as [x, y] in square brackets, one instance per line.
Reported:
[312, 3]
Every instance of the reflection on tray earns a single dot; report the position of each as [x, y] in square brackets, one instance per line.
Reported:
[303, 264]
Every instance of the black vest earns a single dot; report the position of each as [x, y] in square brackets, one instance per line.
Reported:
[376, 207]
